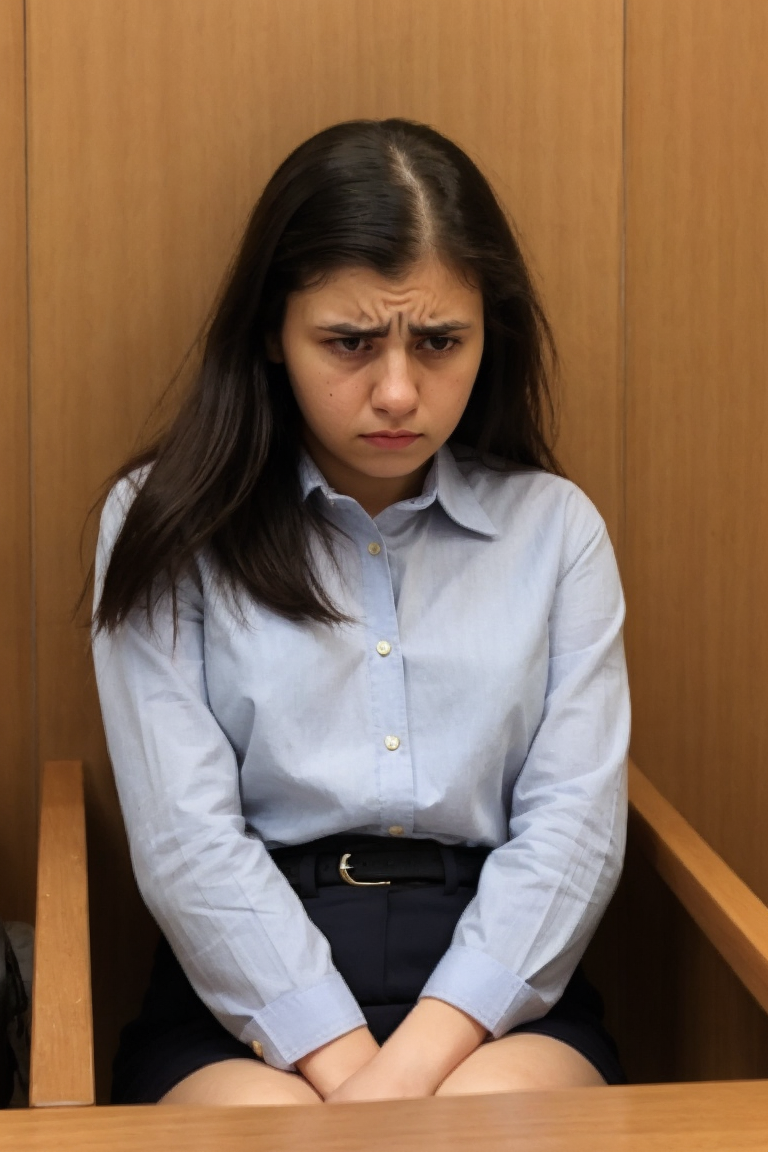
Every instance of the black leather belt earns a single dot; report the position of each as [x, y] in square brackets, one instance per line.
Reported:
[365, 861]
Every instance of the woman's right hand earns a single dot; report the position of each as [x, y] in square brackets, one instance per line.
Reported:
[329, 1066]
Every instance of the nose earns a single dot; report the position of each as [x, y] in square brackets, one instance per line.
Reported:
[395, 389]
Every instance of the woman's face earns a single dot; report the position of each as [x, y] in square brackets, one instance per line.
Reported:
[382, 371]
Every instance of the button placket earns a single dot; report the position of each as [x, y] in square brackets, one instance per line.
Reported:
[388, 701]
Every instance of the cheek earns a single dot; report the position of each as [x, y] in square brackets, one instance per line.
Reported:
[323, 397]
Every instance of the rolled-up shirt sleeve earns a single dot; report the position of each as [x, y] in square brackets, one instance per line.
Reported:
[239, 931]
[541, 894]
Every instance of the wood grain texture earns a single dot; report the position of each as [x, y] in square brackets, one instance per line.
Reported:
[733, 919]
[696, 548]
[153, 126]
[675, 1008]
[17, 779]
[61, 1070]
[697, 472]
[666, 1118]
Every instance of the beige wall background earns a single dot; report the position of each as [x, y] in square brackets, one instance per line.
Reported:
[628, 141]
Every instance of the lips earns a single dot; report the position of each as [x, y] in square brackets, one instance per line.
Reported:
[401, 438]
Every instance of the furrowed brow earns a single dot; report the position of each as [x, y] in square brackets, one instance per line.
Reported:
[354, 330]
[437, 329]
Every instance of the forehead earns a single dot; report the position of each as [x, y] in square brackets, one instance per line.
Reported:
[429, 288]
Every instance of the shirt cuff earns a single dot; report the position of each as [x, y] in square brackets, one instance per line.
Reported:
[483, 988]
[298, 1022]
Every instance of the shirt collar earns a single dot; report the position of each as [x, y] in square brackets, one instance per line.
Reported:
[310, 477]
[444, 482]
[457, 496]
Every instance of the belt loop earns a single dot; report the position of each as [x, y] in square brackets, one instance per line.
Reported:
[307, 876]
[448, 857]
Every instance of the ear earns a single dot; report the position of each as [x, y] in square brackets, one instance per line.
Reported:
[274, 347]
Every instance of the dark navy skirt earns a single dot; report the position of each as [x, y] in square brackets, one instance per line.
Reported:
[385, 942]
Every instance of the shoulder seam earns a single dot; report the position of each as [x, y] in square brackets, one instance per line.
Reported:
[581, 552]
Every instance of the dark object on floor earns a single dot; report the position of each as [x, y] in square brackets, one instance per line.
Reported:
[13, 1004]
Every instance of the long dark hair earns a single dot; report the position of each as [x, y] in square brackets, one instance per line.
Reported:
[224, 476]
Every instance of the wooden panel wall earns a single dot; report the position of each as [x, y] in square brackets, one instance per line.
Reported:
[153, 125]
[696, 536]
[17, 777]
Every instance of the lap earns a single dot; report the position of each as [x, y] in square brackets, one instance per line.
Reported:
[385, 942]
[524, 1062]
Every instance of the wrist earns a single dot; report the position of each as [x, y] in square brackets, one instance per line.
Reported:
[330, 1065]
[430, 1043]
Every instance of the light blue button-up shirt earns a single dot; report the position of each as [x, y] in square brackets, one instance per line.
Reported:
[496, 712]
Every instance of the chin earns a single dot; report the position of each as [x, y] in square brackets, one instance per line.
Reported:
[392, 468]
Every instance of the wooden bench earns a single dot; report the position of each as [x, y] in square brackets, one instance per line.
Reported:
[729, 914]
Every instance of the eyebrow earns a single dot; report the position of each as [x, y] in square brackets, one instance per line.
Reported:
[441, 329]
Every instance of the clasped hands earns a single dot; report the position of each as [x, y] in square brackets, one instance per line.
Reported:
[430, 1043]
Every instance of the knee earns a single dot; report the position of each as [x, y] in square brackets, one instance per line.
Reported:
[521, 1063]
[242, 1082]
[476, 1083]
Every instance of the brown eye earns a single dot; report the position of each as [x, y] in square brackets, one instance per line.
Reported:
[347, 345]
[440, 343]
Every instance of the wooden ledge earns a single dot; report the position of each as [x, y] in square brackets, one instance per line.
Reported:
[642, 1118]
[61, 1069]
[727, 911]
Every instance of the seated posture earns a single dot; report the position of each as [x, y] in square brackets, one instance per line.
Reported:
[358, 648]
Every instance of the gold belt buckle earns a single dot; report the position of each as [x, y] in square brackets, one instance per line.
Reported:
[344, 873]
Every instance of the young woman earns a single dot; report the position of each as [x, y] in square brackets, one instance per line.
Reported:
[358, 648]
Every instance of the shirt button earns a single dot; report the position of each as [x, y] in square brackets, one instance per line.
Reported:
[374, 548]
[383, 647]
[396, 830]
[257, 1049]
[392, 743]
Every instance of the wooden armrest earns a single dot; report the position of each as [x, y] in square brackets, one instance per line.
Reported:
[727, 911]
[61, 1066]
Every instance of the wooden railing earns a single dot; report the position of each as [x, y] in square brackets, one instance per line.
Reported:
[62, 1027]
[730, 915]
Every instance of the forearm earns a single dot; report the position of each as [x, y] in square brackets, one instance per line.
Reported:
[326, 1068]
[433, 1039]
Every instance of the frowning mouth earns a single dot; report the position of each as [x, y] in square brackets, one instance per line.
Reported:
[401, 438]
